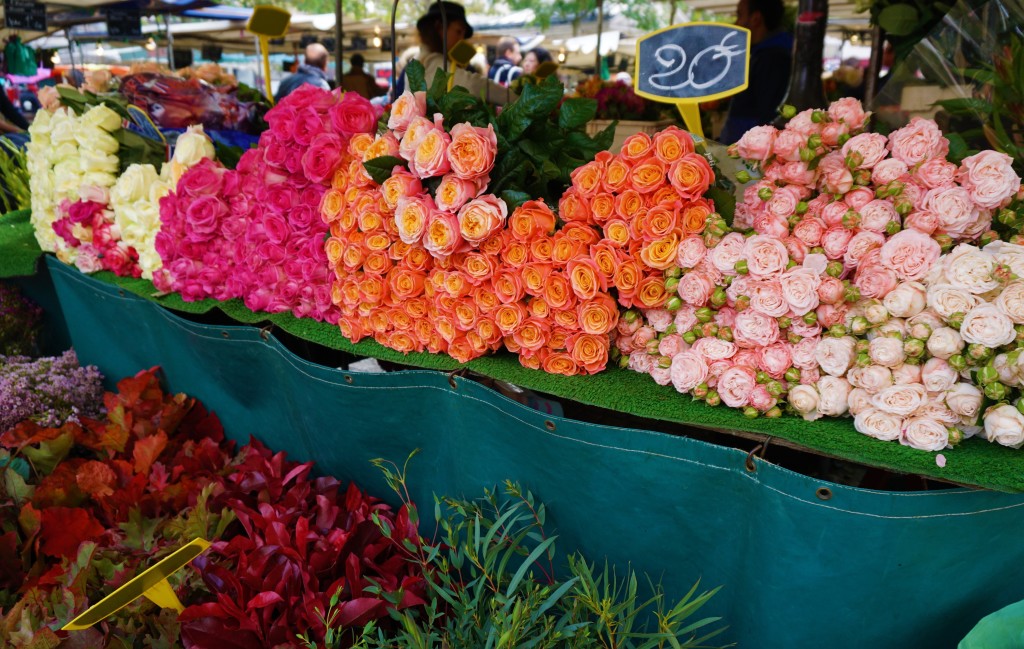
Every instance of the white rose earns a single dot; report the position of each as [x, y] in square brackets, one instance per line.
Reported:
[970, 269]
[1011, 301]
[96, 161]
[965, 400]
[906, 374]
[1008, 254]
[836, 355]
[876, 313]
[133, 185]
[986, 325]
[886, 351]
[1007, 371]
[894, 327]
[924, 434]
[938, 376]
[833, 394]
[923, 324]
[101, 117]
[945, 342]
[990, 178]
[97, 141]
[878, 424]
[804, 400]
[1005, 425]
[906, 300]
[193, 146]
[872, 378]
[63, 131]
[947, 299]
[858, 400]
[900, 399]
[937, 410]
[954, 207]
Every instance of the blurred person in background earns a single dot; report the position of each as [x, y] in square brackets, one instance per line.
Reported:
[358, 81]
[533, 59]
[505, 68]
[312, 71]
[433, 37]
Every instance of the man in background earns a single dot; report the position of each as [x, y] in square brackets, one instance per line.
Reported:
[505, 68]
[771, 58]
[359, 82]
[313, 71]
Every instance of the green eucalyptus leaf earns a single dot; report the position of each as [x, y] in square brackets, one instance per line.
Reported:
[380, 169]
[899, 19]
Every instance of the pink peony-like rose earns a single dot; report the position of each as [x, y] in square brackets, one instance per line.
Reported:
[431, 155]
[809, 230]
[935, 173]
[659, 319]
[762, 400]
[783, 202]
[888, 170]
[765, 256]
[954, 208]
[804, 124]
[715, 370]
[867, 149]
[875, 280]
[988, 326]
[797, 173]
[990, 179]
[831, 290]
[688, 371]
[832, 213]
[918, 141]
[787, 145]
[641, 361]
[831, 133]
[878, 424]
[860, 246]
[725, 317]
[776, 359]
[849, 111]
[686, 318]
[406, 108]
[938, 376]
[924, 434]
[799, 287]
[354, 114]
[472, 150]
[736, 384]
[766, 297]
[714, 349]
[411, 216]
[873, 378]
[691, 251]
[831, 314]
[902, 399]
[770, 225]
[858, 198]
[877, 215]
[454, 192]
[886, 351]
[835, 392]
[804, 400]
[910, 254]
[753, 329]
[482, 218]
[672, 345]
[922, 221]
[803, 353]
[836, 241]
[695, 288]
[834, 176]
[728, 251]
[756, 144]
[836, 355]
[661, 375]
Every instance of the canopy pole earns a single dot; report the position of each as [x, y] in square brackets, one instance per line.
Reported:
[394, 52]
[170, 43]
[339, 50]
[874, 65]
[600, 28]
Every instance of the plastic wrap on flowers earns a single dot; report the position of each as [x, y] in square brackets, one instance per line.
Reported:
[429, 261]
[834, 296]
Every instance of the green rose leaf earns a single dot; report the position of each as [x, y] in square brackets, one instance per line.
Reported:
[725, 202]
[380, 169]
[576, 112]
[899, 19]
[514, 199]
[415, 77]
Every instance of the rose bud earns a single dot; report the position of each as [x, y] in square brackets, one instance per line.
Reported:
[665, 362]
[978, 353]
[987, 374]
[704, 314]
[719, 297]
[689, 337]
[774, 413]
[785, 322]
[995, 391]
[859, 326]
[725, 333]
[674, 303]
[712, 399]
[743, 176]
[701, 391]
[750, 412]
[788, 111]
[957, 362]
[913, 348]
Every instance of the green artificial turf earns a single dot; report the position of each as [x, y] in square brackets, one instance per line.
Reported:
[19, 250]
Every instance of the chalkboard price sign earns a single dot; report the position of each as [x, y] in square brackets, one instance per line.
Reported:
[124, 21]
[24, 14]
[693, 62]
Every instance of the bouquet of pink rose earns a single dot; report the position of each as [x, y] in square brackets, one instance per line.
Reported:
[819, 302]
[87, 231]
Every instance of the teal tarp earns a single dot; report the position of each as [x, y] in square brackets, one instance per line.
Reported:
[801, 567]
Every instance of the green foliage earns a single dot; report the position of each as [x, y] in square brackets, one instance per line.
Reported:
[492, 582]
[14, 188]
[906, 22]
[380, 169]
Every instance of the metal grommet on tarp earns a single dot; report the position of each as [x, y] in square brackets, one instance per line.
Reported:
[550, 425]
[225, 334]
[348, 378]
[824, 493]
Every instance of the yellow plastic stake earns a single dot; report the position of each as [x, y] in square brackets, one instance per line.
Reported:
[151, 584]
[268, 22]
[691, 116]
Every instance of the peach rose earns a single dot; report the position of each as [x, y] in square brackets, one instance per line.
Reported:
[834, 176]
[331, 205]
[918, 141]
[910, 254]
[924, 434]
[756, 144]
[766, 297]
[560, 363]
[954, 207]
[799, 287]
[647, 175]
[587, 180]
[735, 385]
[936, 173]
[836, 355]
[671, 144]
[628, 204]
[860, 246]
[431, 156]
[877, 215]
[589, 351]
[888, 170]
[400, 184]
[660, 254]
[650, 292]
[787, 145]
[866, 149]
[636, 147]
[405, 109]
[574, 206]
[990, 179]
[530, 220]
[441, 237]
[602, 207]
[454, 192]
[616, 175]
[584, 277]
[848, 111]
[472, 150]
[753, 329]
[481, 218]
[688, 370]
[412, 215]
[691, 176]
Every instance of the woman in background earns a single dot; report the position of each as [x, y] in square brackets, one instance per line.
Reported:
[533, 59]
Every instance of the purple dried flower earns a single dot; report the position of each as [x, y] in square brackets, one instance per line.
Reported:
[49, 391]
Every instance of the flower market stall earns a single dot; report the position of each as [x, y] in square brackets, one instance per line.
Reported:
[858, 295]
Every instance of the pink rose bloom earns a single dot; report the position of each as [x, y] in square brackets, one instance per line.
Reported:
[87, 260]
[860, 245]
[783, 202]
[888, 170]
[918, 141]
[809, 230]
[990, 178]
[766, 297]
[803, 124]
[714, 349]
[453, 192]
[695, 288]
[411, 217]
[834, 176]
[832, 213]
[626, 329]
[725, 317]
[874, 280]
[877, 215]
[769, 225]
[715, 370]
[354, 114]
[810, 376]
[836, 241]
[836, 355]
[831, 133]
[735, 386]
[414, 134]
[776, 359]
[870, 147]
[765, 256]
[641, 361]
[323, 157]
[788, 144]
[800, 289]
[431, 156]
[643, 336]
[756, 144]
[804, 330]
[816, 205]
[938, 376]
[691, 251]
[936, 172]
[954, 208]
[659, 319]
[742, 219]
[441, 237]
[672, 345]
[686, 318]
[858, 198]
[761, 399]
[873, 378]
[906, 374]
[472, 150]
[401, 183]
[728, 251]
[405, 109]
[797, 173]
[848, 111]
[923, 221]
[754, 329]
[688, 371]
[661, 375]
[910, 253]
[831, 290]
[914, 193]
[816, 262]
[803, 353]
[481, 218]
[746, 357]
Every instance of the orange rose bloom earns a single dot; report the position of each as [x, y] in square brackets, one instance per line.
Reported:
[602, 206]
[647, 175]
[417, 258]
[651, 293]
[331, 205]
[691, 175]
[399, 249]
[584, 277]
[616, 232]
[423, 330]
[478, 267]
[495, 244]
[538, 308]
[477, 343]
[532, 334]
[457, 284]
[529, 360]
[372, 289]
[347, 221]
[534, 275]
[509, 317]
[515, 253]
[437, 344]
[586, 180]
[564, 249]
[399, 319]
[573, 206]
[379, 321]
[486, 300]
[403, 342]
[660, 222]
[508, 286]
[334, 247]
[607, 262]
[353, 256]
[530, 220]
[666, 195]
[627, 280]
[350, 291]
[461, 350]
[377, 242]
[488, 330]
[628, 204]
[541, 248]
[340, 180]
[567, 318]
[671, 144]
[557, 291]
[589, 351]
[370, 221]
[616, 176]
[416, 307]
[636, 147]
[446, 327]
[358, 144]
[661, 253]
[560, 363]
[377, 262]
[598, 316]
[472, 150]
[401, 184]
[694, 216]
[465, 315]
[558, 337]
[351, 329]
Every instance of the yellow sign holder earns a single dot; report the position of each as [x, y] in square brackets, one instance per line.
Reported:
[689, 107]
[151, 584]
[268, 22]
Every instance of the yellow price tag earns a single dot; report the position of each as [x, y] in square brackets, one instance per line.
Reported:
[151, 584]
[692, 63]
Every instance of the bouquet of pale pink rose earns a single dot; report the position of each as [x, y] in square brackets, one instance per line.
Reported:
[832, 296]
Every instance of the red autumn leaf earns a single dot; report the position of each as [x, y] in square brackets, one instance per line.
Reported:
[358, 611]
[141, 391]
[147, 451]
[64, 528]
[28, 433]
[263, 600]
[103, 436]
[96, 479]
